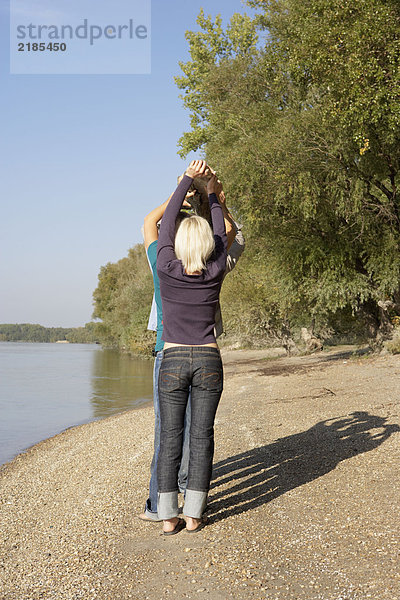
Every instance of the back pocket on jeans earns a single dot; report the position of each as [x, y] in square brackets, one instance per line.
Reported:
[169, 381]
[212, 379]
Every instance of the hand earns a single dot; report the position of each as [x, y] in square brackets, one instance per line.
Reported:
[197, 168]
[209, 171]
[221, 198]
[214, 186]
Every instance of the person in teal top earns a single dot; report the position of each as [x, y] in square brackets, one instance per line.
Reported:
[150, 232]
[152, 257]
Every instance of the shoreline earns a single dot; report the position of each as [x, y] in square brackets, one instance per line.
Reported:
[303, 501]
[275, 353]
[28, 449]
[47, 388]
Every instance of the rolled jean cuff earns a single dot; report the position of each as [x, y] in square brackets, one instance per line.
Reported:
[167, 505]
[151, 515]
[195, 503]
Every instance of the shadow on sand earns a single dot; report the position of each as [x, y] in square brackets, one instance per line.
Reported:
[267, 472]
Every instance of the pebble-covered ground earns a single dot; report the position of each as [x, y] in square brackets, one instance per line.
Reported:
[304, 502]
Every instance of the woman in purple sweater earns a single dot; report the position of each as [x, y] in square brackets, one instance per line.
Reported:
[191, 262]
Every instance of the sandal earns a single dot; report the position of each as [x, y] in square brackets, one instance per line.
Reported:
[178, 527]
[203, 523]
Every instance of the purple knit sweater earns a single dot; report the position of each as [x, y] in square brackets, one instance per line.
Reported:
[189, 301]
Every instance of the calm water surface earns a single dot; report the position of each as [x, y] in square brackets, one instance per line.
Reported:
[45, 388]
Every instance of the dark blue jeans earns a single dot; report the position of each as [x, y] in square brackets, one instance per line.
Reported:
[151, 503]
[198, 368]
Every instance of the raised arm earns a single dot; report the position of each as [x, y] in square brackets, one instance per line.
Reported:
[217, 217]
[150, 229]
[166, 237]
[229, 222]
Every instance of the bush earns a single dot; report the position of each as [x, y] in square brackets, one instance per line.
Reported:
[393, 345]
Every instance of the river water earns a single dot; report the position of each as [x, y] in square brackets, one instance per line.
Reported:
[46, 388]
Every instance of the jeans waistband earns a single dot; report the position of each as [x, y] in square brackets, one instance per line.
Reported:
[191, 350]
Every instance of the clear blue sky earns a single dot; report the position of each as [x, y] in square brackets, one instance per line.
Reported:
[83, 158]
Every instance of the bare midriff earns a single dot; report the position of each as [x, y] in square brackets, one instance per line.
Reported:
[172, 345]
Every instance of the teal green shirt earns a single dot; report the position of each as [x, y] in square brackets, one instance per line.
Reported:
[152, 256]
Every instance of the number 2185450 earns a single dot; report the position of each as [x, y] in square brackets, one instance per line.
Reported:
[42, 47]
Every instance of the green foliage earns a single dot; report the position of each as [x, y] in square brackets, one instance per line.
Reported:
[209, 47]
[252, 313]
[122, 301]
[297, 109]
[83, 335]
[26, 332]
[304, 133]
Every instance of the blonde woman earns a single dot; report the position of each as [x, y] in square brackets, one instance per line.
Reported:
[191, 262]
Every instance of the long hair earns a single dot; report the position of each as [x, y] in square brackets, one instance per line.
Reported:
[194, 243]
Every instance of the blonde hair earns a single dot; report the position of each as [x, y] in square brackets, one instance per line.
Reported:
[194, 243]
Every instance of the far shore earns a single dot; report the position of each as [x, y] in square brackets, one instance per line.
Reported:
[303, 504]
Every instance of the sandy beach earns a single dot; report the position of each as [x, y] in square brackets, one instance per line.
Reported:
[304, 501]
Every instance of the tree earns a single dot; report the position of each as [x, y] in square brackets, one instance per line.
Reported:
[26, 332]
[210, 47]
[303, 128]
[122, 301]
